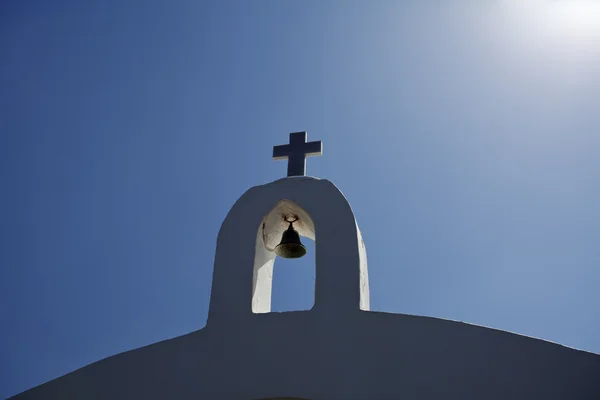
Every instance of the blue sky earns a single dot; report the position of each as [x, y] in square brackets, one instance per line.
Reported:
[465, 136]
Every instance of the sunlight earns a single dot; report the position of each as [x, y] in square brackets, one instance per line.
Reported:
[578, 17]
[572, 20]
[560, 32]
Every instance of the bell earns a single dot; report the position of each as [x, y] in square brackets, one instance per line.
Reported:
[290, 246]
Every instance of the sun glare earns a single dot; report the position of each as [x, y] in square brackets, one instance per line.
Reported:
[572, 20]
[563, 33]
[581, 17]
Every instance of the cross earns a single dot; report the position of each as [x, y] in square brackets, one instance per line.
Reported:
[296, 153]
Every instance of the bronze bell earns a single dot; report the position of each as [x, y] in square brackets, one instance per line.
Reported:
[290, 245]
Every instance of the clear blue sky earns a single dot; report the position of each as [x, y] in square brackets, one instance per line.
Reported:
[465, 136]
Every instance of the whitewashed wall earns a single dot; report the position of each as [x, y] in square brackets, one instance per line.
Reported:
[337, 350]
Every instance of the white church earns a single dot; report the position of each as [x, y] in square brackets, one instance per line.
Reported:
[338, 350]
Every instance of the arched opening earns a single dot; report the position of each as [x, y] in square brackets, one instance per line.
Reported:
[281, 284]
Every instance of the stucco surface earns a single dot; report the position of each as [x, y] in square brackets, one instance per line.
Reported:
[337, 350]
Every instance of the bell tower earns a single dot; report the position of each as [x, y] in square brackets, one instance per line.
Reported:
[338, 350]
[269, 217]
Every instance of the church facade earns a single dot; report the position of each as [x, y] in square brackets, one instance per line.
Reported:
[338, 349]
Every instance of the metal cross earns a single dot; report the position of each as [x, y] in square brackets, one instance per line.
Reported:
[296, 153]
